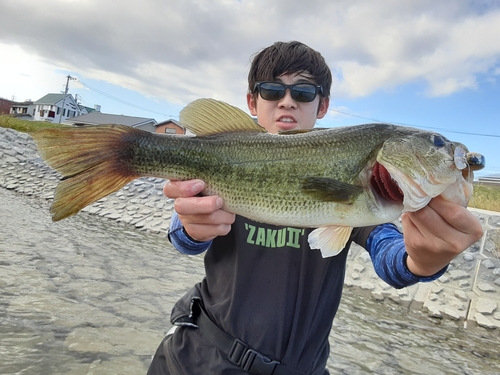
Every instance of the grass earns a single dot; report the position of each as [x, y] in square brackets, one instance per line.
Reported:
[25, 126]
[484, 197]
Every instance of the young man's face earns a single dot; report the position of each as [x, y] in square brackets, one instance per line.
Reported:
[286, 113]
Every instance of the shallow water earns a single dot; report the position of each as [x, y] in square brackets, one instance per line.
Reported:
[91, 296]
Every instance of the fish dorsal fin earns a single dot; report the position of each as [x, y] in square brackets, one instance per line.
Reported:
[210, 116]
[329, 240]
[330, 190]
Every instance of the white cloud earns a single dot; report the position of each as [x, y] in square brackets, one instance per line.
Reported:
[180, 50]
[25, 76]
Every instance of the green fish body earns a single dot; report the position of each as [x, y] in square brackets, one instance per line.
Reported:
[330, 179]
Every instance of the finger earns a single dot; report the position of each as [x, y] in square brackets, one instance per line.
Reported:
[197, 205]
[455, 215]
[177, 189]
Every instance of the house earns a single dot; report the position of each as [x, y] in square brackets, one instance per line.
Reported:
[98, 118]
[5, 105]
[171, 127]
[57, 108]
[24, 110]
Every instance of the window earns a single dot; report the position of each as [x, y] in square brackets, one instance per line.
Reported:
[170, 131]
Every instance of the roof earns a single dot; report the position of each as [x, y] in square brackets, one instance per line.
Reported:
[25, 103]
[168, 121]
[492, 179]
[51, 98]
[89, 109]
[98, 118]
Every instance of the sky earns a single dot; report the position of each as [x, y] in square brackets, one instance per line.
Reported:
[429, 64]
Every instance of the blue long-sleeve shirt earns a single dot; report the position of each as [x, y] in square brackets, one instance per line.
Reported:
[385, 244]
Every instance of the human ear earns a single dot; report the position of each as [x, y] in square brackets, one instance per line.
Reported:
[324, 103]
[252, 104]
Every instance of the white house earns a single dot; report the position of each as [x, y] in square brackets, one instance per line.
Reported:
[50, 108]
[24, 110]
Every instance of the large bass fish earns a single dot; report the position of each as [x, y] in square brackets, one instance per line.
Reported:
[329, 179]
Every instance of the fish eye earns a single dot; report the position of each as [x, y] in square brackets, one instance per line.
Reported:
[438, 140]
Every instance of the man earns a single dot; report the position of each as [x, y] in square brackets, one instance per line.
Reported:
[264, 310]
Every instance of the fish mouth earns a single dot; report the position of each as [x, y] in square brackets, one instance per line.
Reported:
[384, 185]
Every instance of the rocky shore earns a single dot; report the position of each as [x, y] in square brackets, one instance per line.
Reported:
[469, 292]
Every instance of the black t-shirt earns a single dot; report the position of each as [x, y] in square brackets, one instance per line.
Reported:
[266, 287]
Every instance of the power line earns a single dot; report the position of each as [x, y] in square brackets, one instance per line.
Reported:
[123, 101]
[493, 168]
[419, 126]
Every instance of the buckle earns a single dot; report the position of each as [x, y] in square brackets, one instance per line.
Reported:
[251, 360]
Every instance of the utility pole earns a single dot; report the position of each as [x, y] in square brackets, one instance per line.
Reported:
[65, 93]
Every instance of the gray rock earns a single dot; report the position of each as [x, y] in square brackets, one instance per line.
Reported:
[460, 294]
[488, 263]
[485, 287]
[486, 306]
[483, 321]
[458, 274]
[451, 313]
[468, 257]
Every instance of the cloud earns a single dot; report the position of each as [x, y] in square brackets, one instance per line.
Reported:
[179, 50]
[25, 76]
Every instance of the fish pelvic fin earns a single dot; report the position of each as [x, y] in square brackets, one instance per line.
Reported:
[329, 240]
[330, 190]
[92, 161]
[210, 116]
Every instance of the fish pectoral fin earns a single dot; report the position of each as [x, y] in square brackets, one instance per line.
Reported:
[329, 240]
[210, 116]
[330, 190]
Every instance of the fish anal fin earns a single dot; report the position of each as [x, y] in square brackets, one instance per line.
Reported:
[330, 190]
[210, 116]
[329, 240]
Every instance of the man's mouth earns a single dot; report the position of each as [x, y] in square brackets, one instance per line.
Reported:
[286, 118]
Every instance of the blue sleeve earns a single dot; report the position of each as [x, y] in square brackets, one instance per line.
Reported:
[181, 240]
[388, 253]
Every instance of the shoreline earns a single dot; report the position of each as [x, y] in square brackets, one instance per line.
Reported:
[469, 292]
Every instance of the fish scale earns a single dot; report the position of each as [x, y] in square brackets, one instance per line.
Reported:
[317, 178]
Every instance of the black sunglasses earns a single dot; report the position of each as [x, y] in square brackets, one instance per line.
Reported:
[301, 92]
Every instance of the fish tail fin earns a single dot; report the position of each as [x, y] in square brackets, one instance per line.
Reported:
[92, 161]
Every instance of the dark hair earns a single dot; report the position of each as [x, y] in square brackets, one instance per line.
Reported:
[288, 58]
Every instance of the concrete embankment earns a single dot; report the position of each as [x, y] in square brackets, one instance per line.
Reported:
[469, 292]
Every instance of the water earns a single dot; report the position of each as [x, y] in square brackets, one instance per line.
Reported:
[91, 296]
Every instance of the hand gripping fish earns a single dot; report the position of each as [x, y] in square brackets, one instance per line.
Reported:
[329, 179]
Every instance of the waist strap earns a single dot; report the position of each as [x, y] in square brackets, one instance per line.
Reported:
[239, 353]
